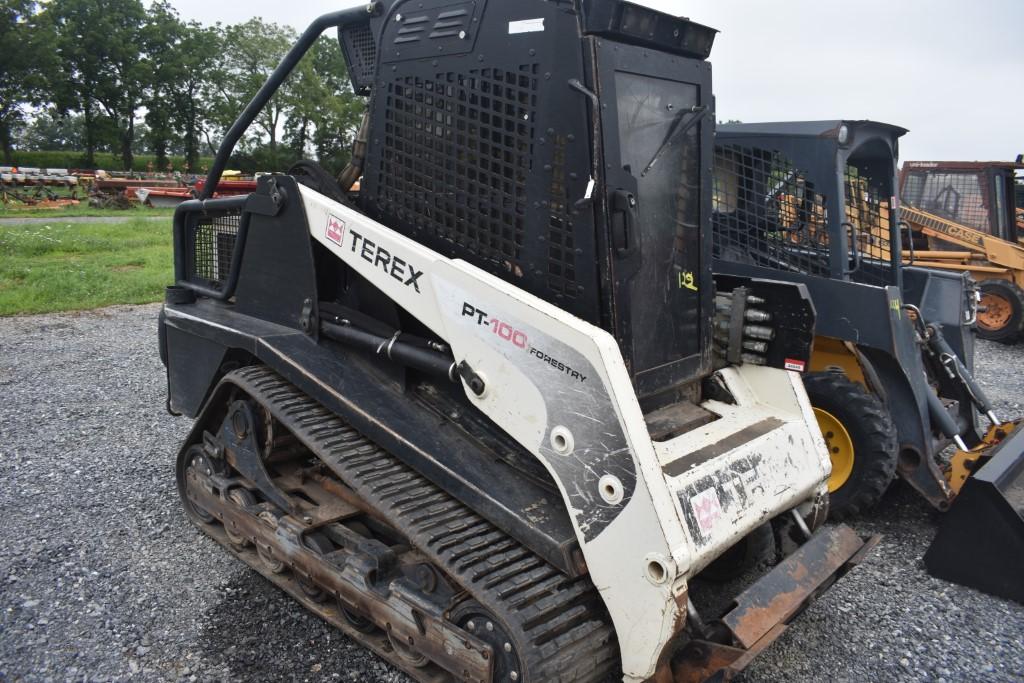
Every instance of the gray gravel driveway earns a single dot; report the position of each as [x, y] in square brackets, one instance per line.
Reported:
[101, 578]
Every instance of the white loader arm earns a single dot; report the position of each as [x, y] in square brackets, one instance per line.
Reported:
[648, 516]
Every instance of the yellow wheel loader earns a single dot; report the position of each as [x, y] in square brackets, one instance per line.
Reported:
[963, 217]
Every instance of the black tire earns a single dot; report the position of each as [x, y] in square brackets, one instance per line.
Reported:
[871, 433]
[1008, 329]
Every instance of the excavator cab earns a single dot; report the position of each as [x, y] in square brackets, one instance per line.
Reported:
[603, 141]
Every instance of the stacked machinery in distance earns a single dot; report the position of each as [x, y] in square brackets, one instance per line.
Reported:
[473, 418]
[964, 216]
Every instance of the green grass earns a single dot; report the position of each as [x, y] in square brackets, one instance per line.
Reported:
[104, 160]
[83, 209]
[70, 267]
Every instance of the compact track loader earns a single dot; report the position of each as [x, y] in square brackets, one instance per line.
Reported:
[890, 374]
[472, 417]
[963, 216]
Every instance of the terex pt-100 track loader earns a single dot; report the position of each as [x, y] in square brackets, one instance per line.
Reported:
[470, 418]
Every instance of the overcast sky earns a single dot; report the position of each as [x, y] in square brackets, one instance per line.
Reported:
[950, 71]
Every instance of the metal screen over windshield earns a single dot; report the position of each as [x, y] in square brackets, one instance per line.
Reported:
[768, 213]
[868, 208]
[959, 196]
[771, 212]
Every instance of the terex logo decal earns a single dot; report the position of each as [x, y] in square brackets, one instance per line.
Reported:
[379, 257]
[517, 338]
[335, 229]
[707, 508]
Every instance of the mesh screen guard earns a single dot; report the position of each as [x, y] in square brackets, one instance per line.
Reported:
[498, 142]
[960, 196]
[360, 48]
[481, 155]
[211, 245]
[770, 211]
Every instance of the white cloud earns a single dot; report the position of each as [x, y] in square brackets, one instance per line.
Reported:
[951, 72]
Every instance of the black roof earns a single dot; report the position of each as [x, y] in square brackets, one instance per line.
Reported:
[817, 129]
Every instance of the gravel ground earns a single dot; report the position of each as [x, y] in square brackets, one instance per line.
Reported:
[101, 578]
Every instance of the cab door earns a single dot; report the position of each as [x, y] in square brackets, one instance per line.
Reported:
[657, 123]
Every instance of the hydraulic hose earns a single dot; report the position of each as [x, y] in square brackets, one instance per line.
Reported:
[392, 348]
[943, 420]
[354, 169]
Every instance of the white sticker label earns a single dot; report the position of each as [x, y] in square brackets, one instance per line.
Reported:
[525, 26]
[795, 365]
[707, 508]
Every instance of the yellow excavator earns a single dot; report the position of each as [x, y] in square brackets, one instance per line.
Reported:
[963, 216]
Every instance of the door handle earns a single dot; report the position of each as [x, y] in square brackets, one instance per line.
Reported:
[623, 224]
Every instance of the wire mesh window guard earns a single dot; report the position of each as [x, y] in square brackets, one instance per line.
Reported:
[958, 196]
[767, 212]
[868, 209]
[458, 155]
[212, 246]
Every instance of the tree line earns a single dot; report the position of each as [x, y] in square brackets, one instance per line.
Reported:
[117, 76]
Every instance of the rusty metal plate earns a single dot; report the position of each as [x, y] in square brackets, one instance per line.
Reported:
[776, 597]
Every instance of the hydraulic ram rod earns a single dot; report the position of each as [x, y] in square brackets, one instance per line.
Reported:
[392, 348]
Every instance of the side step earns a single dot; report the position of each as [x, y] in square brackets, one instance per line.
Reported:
[980, 542]
[762, 611]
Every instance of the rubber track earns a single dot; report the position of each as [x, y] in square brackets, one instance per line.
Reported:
[562, 628]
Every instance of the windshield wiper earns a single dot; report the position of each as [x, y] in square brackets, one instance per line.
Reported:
[677, 129]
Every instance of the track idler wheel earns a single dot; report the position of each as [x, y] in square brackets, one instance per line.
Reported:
[355, 619]
[197, 467]
[407, 651]
[477, 620]
[321, 545]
